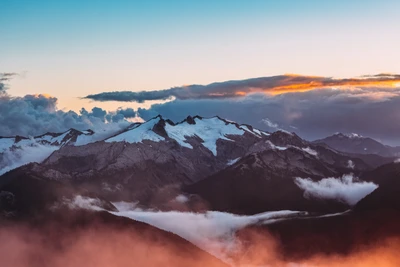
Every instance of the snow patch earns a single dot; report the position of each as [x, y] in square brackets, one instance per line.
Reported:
[23, 153]
[209, 130]
[310, 151]
[139, 133]
[247, 129]
[276, 147]
[257, 131]
[232, 161]
[56, 140]
[354, 135]
[6, 143]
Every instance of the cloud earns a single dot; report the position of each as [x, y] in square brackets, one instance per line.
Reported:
[54, 244]
[270, 124]
[314, 114]
[350, 164]
[239, 88]
[30, 151]
[102, 245]
[212, 231]
[33, 115]
[182, 199]
[5, 77]
[346, 189]
[82, 202]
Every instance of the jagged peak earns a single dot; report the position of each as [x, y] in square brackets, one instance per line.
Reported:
[191, 120]
[72, 131]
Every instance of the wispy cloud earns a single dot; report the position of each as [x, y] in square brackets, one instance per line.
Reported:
[5, 77]
[270, 124]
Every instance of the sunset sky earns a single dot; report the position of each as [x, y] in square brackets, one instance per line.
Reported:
[73, 49]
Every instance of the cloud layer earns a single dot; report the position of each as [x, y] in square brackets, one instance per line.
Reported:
[315, 114]
[346, 189]
[33, 115]
[231, 89]
[212, 231]
[368, 105]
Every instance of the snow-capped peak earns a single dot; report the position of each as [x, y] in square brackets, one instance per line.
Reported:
[139, 132]
[17, 151]
[209, 130]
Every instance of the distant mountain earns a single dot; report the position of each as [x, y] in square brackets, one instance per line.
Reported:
[264, 180]
[357, 144]
[68, 137]
[17, 151]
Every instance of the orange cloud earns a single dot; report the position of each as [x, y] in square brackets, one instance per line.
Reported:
[293, 85]
[43, 95]
[274, 85]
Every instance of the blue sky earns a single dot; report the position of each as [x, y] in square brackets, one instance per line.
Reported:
[74, 48]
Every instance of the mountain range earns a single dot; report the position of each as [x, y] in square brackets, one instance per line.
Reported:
[358, 144]
[198, 165]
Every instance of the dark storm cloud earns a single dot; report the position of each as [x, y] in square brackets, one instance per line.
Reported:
[314, 114]
[239, 88]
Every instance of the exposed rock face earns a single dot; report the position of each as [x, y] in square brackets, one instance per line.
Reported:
[387, 195]
[265, 181]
